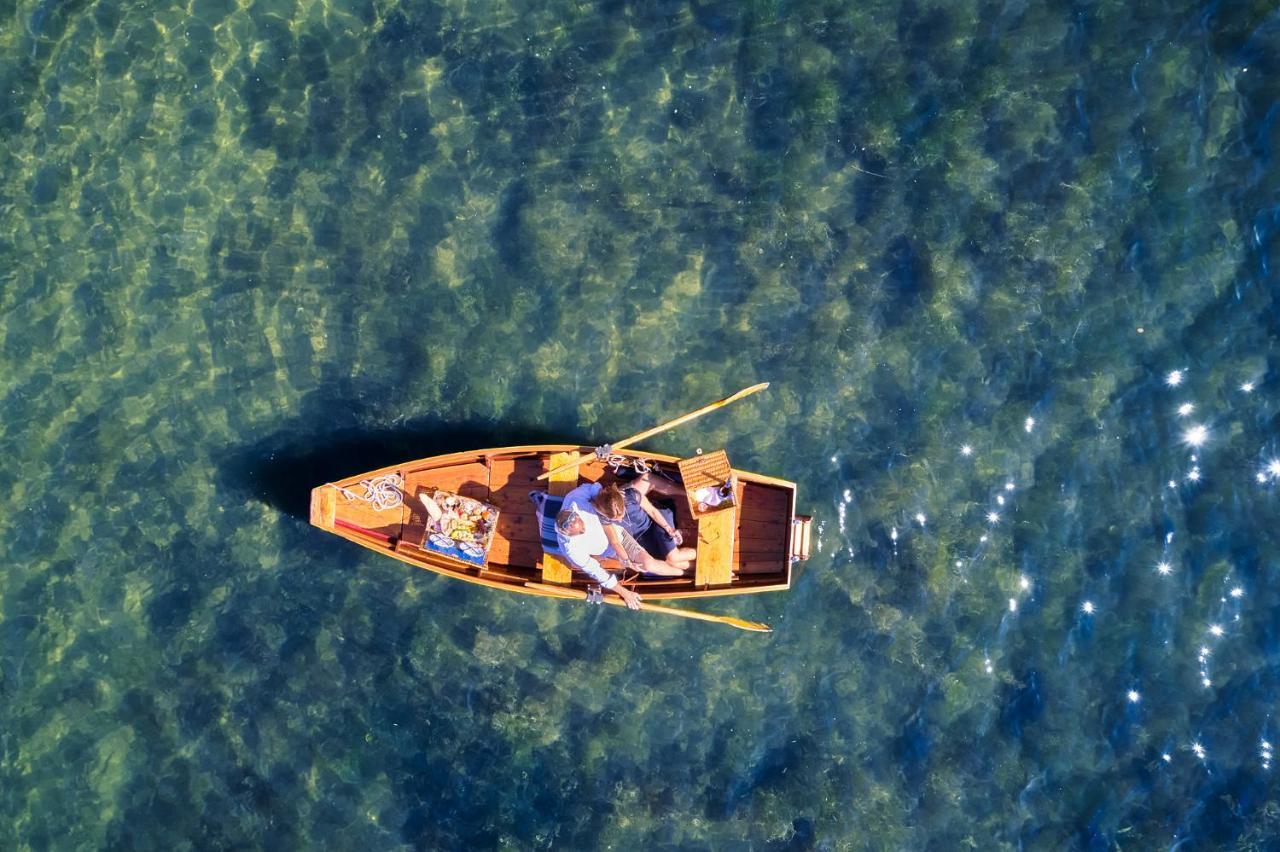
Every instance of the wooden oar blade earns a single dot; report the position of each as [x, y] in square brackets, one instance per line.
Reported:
[670, 424]
[692, 415]
[740, 394]
[578, 594]
[743, 624]
[740, 623]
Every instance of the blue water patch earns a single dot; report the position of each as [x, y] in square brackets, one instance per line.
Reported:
[1007, 269]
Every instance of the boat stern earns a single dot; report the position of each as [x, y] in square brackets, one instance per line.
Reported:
[800, 536]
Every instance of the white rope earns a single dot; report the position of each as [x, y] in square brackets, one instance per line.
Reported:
[381, 492]
[618, 462]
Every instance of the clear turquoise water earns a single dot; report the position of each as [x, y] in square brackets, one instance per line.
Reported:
[246, 246]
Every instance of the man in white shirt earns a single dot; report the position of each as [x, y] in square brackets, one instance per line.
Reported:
[582, 538]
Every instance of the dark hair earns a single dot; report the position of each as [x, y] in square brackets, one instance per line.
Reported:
[610, 502]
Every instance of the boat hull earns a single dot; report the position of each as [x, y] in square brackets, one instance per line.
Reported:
[768, 531]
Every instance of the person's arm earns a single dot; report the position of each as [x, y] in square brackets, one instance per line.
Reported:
[611, 533]
[593, 569]
[610, 583]
[656, 516]
[630, 598]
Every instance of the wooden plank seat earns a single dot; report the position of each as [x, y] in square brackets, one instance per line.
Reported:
[555, 569]
[714, 565]
[717, 520]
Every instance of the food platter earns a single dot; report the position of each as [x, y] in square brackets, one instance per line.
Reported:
[457, 526]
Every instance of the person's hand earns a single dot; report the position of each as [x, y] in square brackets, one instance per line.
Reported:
[630, 598]
[677, 537]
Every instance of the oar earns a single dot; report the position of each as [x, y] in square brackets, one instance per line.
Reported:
[575, 594]
[670, 424]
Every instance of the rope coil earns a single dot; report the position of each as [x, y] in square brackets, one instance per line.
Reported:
[618, 462]
[381, 492]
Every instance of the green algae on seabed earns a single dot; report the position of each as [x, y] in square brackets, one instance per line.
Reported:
[248, 246]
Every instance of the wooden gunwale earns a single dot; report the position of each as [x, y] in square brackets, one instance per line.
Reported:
[495, 576]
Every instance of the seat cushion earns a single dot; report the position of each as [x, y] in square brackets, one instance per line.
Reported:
[546, 507]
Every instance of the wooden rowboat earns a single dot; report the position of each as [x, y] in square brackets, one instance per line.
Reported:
[755, 553]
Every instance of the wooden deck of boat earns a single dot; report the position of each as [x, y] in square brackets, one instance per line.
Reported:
[505, 478]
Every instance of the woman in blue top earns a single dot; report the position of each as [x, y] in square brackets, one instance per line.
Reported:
[652, 527]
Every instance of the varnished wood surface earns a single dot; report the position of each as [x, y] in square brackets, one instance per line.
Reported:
[504, 477]
[716, 547]
[554, 569]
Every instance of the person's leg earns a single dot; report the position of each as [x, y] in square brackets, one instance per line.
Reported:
[648, 563]
[662, 568]
[659, 484]
[682, 558]
[662, 546]
[675, 556]
[642, 483]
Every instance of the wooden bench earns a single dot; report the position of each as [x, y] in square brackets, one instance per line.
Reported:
[717, 525]
[714, 566]
[554, 570]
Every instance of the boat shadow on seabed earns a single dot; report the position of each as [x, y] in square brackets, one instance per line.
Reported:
[282, 468]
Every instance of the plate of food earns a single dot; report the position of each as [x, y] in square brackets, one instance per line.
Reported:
[470, 549]
[440, 540]
[458, 526]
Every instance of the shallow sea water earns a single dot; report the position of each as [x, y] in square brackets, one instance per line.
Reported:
[247, 246]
